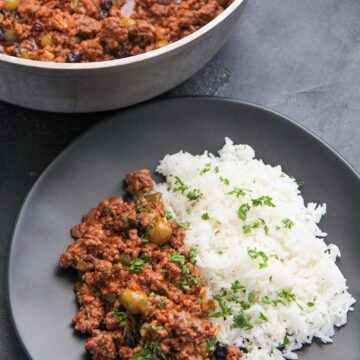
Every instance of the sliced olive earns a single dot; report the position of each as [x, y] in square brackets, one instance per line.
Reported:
[160, 232]
[126, 21]
[153, 198]
[136, 302]
[74, 6]
[11, 5]
[46, 40]
[81, 265]
[204, 351]
[29, 56]
[161, 43]
[125, 259]
[10, 36]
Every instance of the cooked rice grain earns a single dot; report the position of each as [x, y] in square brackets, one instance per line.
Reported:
[296, 266]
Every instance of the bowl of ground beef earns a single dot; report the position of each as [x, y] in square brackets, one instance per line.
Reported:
[96, 55]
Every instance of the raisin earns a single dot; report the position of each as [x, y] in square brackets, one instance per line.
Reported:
[38, 27]
[73, 56]
[103, 14]
[220, 351]
[121, 53]
[106, 4]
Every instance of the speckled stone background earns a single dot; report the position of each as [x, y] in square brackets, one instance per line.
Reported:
[301, 58]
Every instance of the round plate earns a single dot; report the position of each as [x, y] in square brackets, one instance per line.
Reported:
[41, 296]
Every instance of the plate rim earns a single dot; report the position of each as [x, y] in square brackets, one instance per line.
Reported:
[108, 117]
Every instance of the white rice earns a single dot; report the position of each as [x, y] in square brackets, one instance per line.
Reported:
[299, 260]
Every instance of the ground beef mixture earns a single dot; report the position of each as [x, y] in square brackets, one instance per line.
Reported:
[95, 30]
[140, 293]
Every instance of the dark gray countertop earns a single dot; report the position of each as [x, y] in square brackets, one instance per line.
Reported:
[301, 58]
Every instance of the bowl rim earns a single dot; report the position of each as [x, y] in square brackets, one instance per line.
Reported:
[128, 60]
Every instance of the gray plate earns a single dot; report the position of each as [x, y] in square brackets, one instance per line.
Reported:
[92, 168]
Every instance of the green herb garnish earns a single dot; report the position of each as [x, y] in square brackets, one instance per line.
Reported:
[263, 200]
[238, 192]
[236, 285]
[180, 185]
[206, 169]
[205, 216]
[193, 254]
[288, 223]
[121, 315]
[194, 195]
[243, 211]
[263, 317]
[241, 321]
[137, 264]
[254, 254]
[177, 258]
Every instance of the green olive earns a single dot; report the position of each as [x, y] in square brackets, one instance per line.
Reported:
[153, 198]
[10, 36]
[162, 43]
[126, 21]
[29, 56]
[74, 6]
[109, 298]
[81, 265]
[125, 259]
[46, 40]
[136, 302]
[11, 5]
[160, 232]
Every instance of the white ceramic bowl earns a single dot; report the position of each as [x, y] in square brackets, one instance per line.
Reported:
[112, 84]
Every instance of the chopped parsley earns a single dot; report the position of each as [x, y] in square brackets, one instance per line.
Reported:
[108, 209]
[263, 317]
[310, 304]
[193, 254]
[194, 195]
[225, 180]
[225, 308]
[287, 294]
[180, 186]
[157, 327]
[206, 169]
[168, 215]
[238, 192]
[263, 200]
[105, 271]
[184, 225]
[205, 216]
[183, 285]
[266, 300]
[216, 170]
[211, 344]
[285, 342]
[254, 254]
[152, 350]
[137, 264]
[251, 297]
[140, 208]
[243, 211]
[301, 184]
[121, 315]
[236, 285]
[256, 224]
[288, 223]
[241, 321]
[177, 258]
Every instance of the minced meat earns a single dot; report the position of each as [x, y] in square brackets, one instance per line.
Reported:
[140, 294]
[95, 30]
